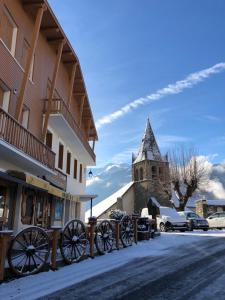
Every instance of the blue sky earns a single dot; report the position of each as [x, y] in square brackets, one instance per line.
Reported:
[130, 49]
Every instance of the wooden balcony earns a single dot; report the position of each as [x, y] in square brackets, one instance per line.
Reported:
[17, 136]
[59, 107]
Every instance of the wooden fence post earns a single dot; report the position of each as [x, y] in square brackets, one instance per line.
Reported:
[92, 221]
[135, 224]
[117, 234]
[55, 238]
[5, 236]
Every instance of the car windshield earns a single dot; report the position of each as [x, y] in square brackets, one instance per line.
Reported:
[193, 215]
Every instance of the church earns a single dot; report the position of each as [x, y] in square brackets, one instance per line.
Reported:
[150, 180]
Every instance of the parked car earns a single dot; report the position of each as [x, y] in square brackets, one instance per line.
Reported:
[194, 220]
[168, 219]
[217, 220]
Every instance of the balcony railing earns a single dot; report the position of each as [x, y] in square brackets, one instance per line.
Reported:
[59, 107]
[19, 137]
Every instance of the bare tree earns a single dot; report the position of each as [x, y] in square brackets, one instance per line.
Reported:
[187, 174]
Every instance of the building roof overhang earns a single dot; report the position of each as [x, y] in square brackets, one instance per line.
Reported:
[54, 33]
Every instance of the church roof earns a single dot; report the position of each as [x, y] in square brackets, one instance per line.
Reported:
[148, 149]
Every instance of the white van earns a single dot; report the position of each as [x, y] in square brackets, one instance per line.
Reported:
[169, 219]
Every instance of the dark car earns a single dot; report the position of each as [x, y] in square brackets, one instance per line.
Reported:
[195, 221]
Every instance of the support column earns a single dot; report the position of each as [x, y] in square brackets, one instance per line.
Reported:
[81, 110]
[72, 84]
[55, 74]
[20, 100]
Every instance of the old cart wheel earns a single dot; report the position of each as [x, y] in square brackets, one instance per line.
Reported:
[126, 231]
[104, 237]
[74, 241]
[29, 251]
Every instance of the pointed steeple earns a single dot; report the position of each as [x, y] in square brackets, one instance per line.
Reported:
[148, 149]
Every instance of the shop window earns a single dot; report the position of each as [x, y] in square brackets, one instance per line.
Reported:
[60, 158]
[49, 137]
[154, 172]
[68, 162]
[141, 173]
[58, 210]
[25, 117]
[39, 210]
[8, 31]
[81, 173]
[27, 209]
[75, 169]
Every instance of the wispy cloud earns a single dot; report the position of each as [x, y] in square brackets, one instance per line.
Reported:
[171, 89]
[212, 118]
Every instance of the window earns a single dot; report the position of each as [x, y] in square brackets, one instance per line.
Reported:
[161, 173]
[49, 137]
[8, 31]
[136, 175]
[25, 116]
[60, 160]
[81, 173]
[154, 172]
[4, 97]
[68, 162]
[24, 57]
[27, 209]
[75, 169]
[58, 209]
[141, 173]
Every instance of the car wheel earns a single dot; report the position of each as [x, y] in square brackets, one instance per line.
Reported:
[205, 229]
[183, 230]
[190, 227]
[163, 227]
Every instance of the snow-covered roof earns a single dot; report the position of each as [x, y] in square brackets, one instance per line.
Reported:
[148, 148]
[105, 204]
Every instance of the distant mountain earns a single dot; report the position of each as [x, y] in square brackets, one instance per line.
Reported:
[110, 178]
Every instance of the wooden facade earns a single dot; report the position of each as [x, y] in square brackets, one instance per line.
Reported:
[43, 97]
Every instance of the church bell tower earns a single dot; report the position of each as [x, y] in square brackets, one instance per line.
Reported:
[150, 173]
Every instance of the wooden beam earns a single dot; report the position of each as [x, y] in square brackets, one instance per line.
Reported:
[49, 28]
[20, 101]
[88, 127]
[79, 94]
[51, 94]
[72, 84]
[81, 110]
[55, 40]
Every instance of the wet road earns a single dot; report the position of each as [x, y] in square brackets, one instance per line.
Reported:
[195, 271]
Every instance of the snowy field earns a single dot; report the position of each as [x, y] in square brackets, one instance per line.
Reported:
[45, 283]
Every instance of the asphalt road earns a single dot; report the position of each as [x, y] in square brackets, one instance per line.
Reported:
[195, 271]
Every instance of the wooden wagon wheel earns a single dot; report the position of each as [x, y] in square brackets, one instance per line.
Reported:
[73, 241]
[29, 251]
[126, 231]
[104, 237]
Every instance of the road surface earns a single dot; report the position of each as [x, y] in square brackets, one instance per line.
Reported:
[193, 271]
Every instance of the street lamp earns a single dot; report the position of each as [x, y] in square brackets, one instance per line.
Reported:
[90, 175]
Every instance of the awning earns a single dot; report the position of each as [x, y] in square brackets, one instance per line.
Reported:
[56, 192]
[26, 178]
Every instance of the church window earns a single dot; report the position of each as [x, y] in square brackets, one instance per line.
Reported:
[154, 172]
[160, 173]
[136, 175]
[141, 173]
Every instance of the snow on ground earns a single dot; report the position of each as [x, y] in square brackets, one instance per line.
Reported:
[44, 283]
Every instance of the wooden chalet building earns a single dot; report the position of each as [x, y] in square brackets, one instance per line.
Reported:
[47, 131]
